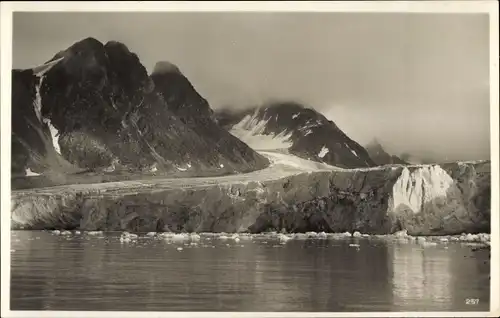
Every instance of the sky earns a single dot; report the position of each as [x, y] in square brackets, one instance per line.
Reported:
[419, 83]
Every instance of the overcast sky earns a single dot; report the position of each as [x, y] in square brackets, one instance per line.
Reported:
[417, 82]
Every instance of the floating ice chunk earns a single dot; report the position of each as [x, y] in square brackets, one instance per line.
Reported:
[129, 235]
[236, 239]
[402, 233]
[428, 244]
[346, 234]
[421, 239]
[151, 234]
[56, 232]
[65, 233]
[284, 238]
[77, 232]
[472, 237]
[354, 245]
[166, 235]
[322, 235]
[125, 239]
[311, 234]
[223, 237]
[301, 236]
[356, 234]
[365, 235]
[180, 237]
[94, 232]
[484, 237]
[323, 152]
[195, 237]
[179, 248]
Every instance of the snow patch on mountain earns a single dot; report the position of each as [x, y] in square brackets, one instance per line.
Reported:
[39, 72]
[37, 103]
[251, 130]
[353, 152]
[30, 173]
[54, 133]
[323, 152]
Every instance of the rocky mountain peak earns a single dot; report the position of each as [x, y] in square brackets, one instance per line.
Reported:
[164, 67]
[95, 106]
[298, 129]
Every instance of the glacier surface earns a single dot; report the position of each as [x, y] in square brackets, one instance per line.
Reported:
[292, 195]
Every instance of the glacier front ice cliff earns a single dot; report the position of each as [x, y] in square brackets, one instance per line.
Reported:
[292, 195]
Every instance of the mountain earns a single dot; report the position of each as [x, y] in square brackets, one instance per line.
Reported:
[294, 128]
[380, 156]
[93, 107]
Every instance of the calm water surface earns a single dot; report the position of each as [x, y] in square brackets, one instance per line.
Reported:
[81, 272]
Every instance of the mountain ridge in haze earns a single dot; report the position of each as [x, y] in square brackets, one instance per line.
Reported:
[378, 154]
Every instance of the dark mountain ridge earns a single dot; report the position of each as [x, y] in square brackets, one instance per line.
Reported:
[94, 107]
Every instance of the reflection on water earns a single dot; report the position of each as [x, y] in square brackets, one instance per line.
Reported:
[423, 276]
[90, 273]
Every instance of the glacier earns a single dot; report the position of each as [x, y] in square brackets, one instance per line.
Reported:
[292, 195]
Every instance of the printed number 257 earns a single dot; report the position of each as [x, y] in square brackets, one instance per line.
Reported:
[471, 301]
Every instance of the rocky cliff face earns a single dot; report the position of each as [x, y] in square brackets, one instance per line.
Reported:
[425, 200]
[302, 131]
[378, 154]
[94, 107]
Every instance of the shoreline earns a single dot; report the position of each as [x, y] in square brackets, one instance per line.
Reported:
[479, 238]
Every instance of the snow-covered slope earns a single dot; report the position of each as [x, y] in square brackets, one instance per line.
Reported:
[252, 131]
[302, 131]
